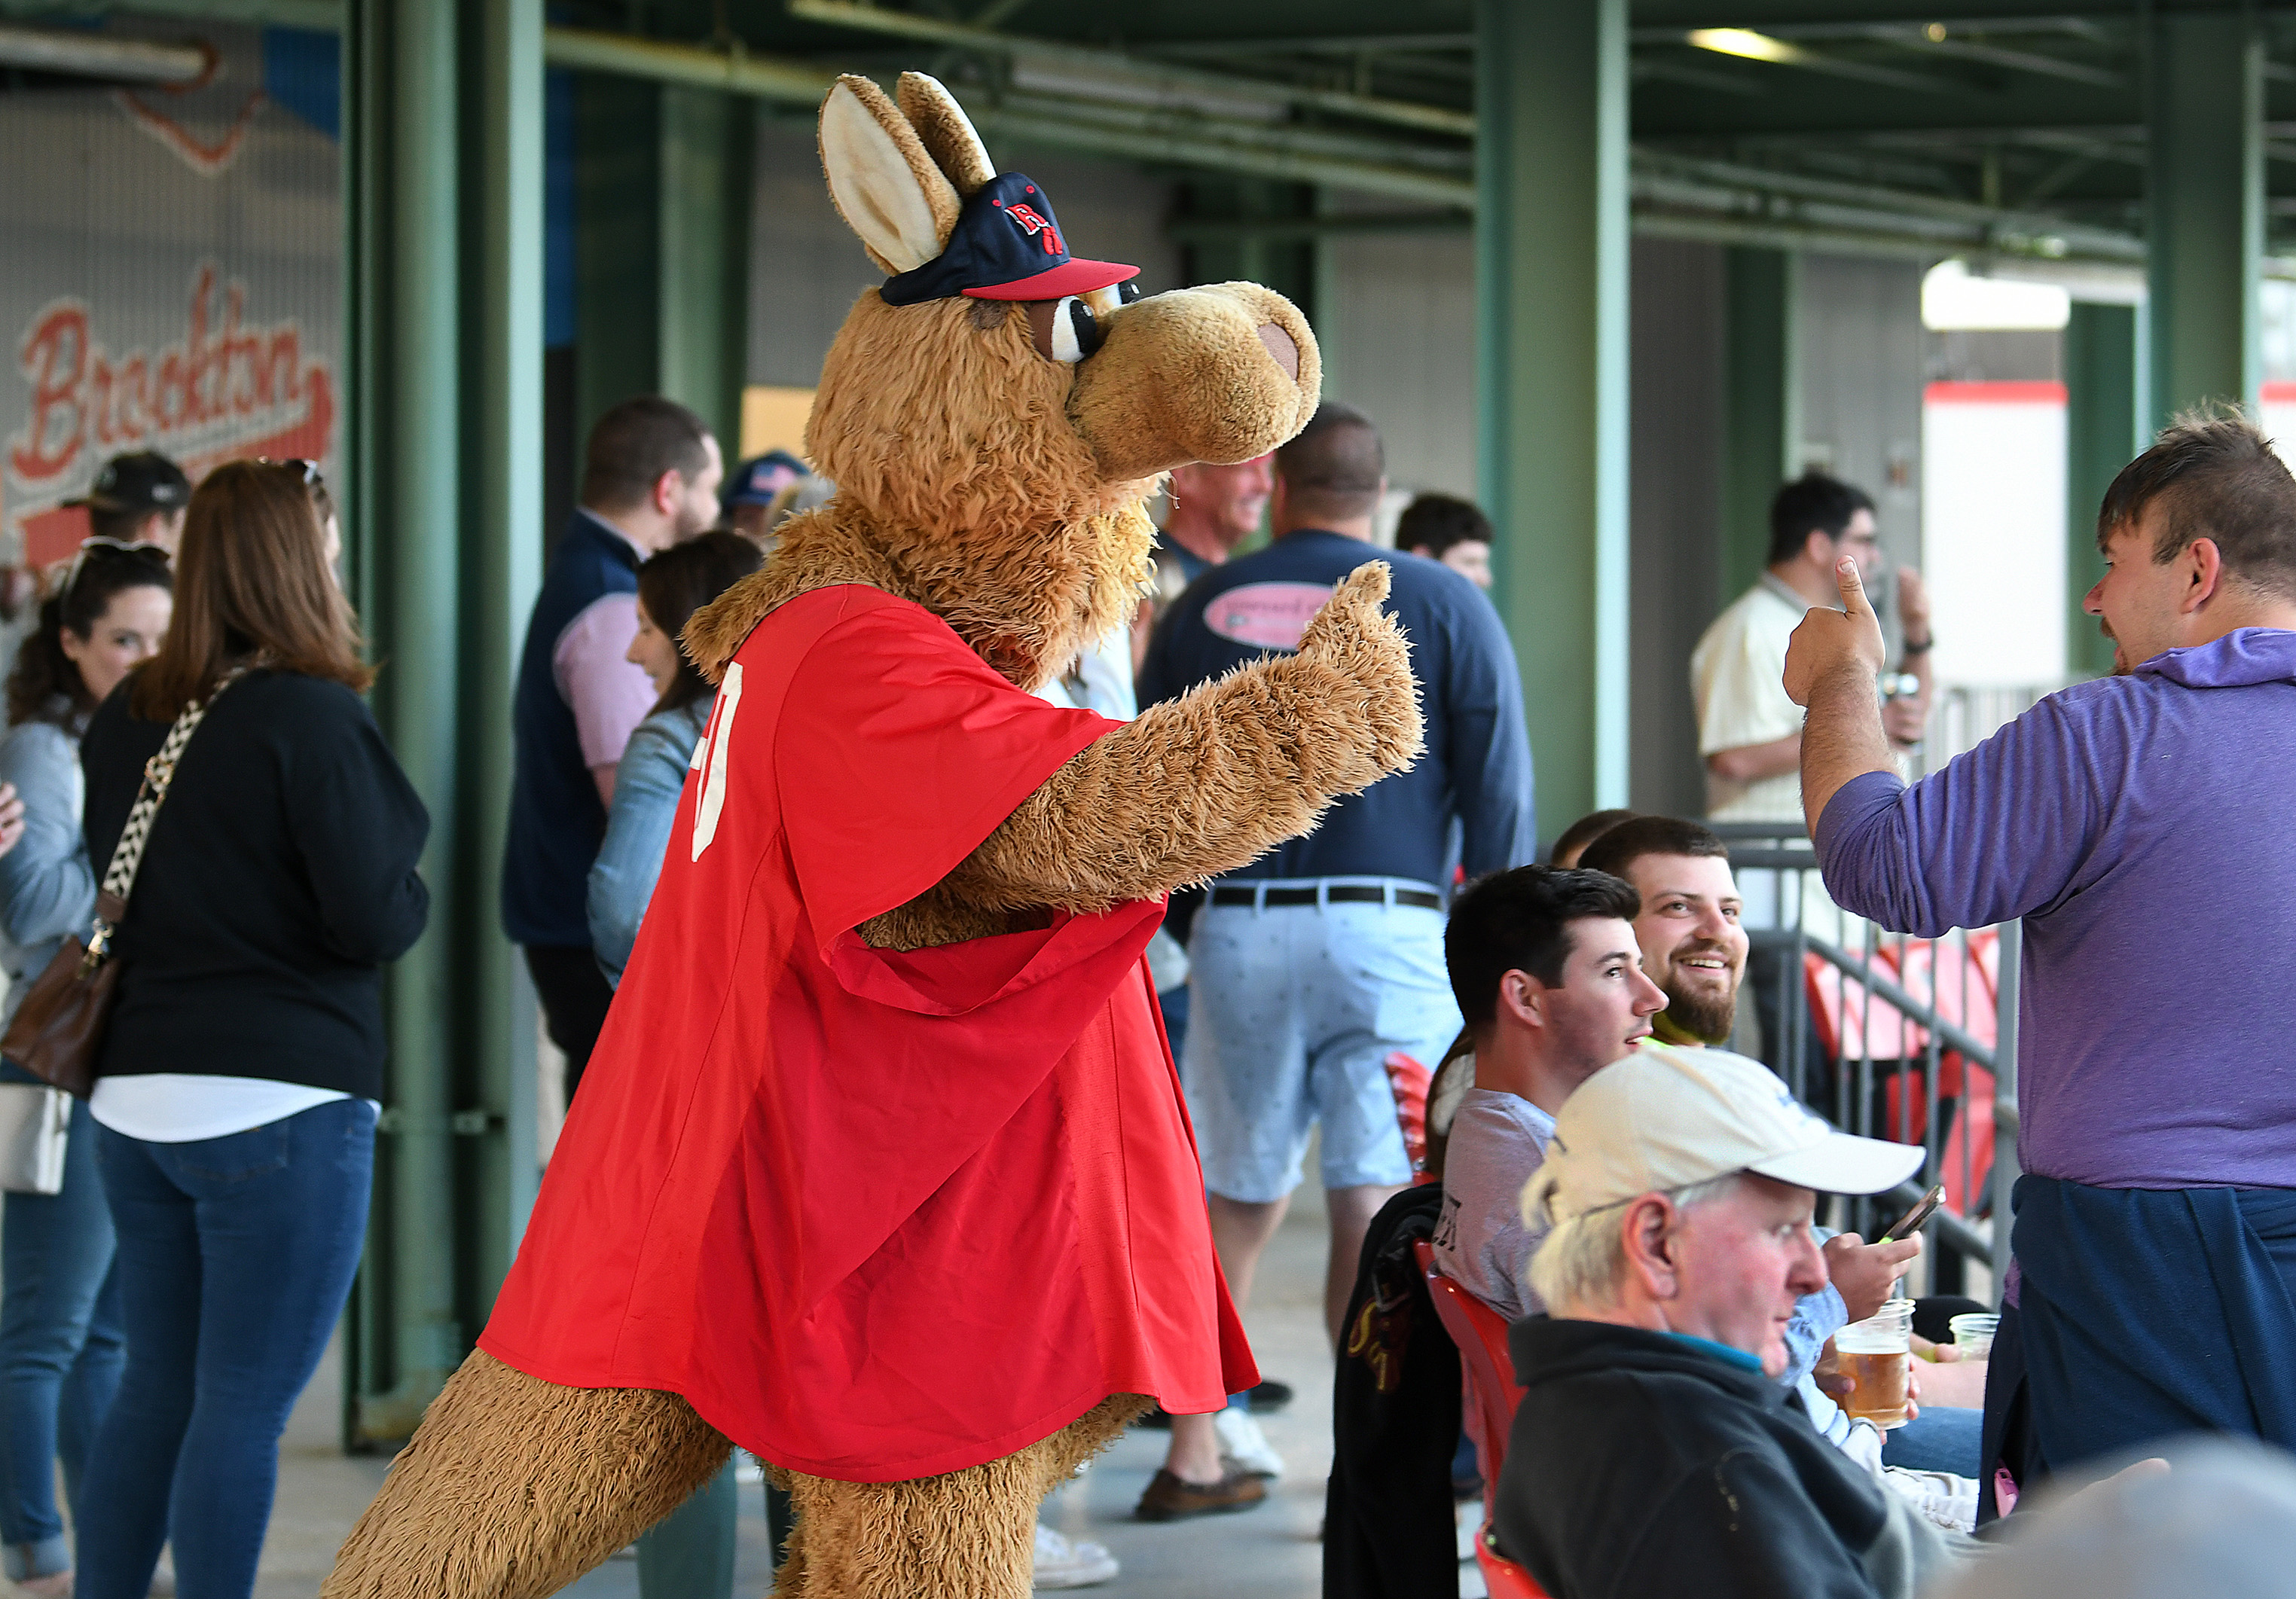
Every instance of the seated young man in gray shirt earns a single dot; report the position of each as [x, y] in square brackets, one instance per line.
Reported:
[1550, 972]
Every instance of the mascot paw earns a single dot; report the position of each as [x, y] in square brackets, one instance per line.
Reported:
[1355, 638]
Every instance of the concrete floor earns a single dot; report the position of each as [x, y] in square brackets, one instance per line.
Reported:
[1268, 1553]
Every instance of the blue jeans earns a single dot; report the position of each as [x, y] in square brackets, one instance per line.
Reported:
[235, 1256]
[60, 1349]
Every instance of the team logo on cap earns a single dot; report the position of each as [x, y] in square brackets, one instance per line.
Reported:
[1033, 224]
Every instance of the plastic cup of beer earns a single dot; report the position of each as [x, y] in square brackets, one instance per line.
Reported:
[1972, 1334]
[1874, 1355]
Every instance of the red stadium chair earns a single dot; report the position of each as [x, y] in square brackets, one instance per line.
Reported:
[1409, 1081]
[1489, 1399]
[1501, 1578]
[1491, 1392]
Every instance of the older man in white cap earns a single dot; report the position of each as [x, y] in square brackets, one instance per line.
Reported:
[1654, 1452]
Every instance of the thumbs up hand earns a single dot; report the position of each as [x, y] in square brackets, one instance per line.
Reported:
[1828, 641]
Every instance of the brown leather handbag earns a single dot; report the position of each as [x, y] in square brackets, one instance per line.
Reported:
[57, 1033]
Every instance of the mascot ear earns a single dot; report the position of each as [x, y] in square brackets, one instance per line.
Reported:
[946, 132]
[885, 185]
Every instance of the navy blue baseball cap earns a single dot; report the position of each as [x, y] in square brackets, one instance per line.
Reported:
[1007, 245]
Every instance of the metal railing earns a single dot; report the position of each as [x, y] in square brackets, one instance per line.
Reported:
[1888, 1037]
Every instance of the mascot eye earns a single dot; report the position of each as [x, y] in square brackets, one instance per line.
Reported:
[1075, 331]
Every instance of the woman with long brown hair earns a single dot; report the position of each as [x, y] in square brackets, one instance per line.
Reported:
[240, 1073]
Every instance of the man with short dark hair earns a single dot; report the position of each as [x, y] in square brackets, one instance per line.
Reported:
[1313, 964]
[138, 499]
[1454, 531]
[1543, 965]
[648, 479]
[1749, 733]
[1688, 929]
[2139, 825]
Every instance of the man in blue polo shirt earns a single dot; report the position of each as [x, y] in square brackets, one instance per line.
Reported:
[1315, 962]
[648, 479]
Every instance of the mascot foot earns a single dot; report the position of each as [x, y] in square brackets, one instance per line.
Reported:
[965, 1535]
[513, 1487]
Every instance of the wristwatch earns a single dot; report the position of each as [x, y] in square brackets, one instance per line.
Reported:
[1909, 648]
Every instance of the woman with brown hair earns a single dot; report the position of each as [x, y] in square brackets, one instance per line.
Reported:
[61, 1348]
[240, 1076]
[672, 586]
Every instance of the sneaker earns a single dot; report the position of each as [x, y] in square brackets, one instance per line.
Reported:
[1244, 1447]
[1065, 1562]
[1170, 1499]
[55, 1584]
[1269, 1397]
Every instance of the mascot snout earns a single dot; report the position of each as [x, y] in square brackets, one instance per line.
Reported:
[1220, 374]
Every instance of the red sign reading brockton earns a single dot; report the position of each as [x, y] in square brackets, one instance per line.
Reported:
[228, 387]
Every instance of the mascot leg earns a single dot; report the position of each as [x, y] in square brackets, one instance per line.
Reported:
[513, 1487]
[965, 1535]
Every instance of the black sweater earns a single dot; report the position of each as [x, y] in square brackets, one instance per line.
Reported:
[1642, 1467]
[279, 876]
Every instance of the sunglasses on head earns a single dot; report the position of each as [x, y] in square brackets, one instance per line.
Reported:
[117, 546]
[296, 463]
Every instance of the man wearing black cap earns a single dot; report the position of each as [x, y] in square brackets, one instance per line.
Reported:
[138, 499]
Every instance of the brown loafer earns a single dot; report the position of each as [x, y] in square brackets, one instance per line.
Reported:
[1168, 1498]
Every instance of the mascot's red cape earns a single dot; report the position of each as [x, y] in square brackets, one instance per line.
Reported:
[816, 1179]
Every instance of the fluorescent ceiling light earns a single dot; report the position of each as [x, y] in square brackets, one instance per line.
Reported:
[1951, 299]
[1745, 42]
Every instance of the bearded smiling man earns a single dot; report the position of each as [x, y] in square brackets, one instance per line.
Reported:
[1693, 946]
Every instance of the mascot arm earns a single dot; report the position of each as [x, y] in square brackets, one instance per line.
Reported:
[1212, 781]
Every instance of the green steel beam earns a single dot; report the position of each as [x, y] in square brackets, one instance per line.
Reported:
[618, 212]
[1761, 416]
[703, 295]
[501, 569]
[1551, 284]
[404, 347]
[2204, 209]
[2105, 430]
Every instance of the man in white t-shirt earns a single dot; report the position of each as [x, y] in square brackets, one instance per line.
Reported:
[1749, 733]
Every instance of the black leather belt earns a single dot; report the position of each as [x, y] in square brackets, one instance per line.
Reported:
[1338, 893]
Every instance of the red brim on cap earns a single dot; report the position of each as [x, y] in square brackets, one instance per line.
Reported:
[1075, 277]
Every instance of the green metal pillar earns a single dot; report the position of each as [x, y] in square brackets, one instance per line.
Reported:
[443, 181]
[406, 512]
[1551, 284]
[2204, 202]
[707, 144]
[2105, 430]
[501, 570]
[1762, 418]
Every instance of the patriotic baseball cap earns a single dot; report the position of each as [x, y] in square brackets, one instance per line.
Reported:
[1664, 1119]
[757, 480]
[146, 480]
[1007, 245]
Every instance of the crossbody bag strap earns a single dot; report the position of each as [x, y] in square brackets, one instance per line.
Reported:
[128, 855]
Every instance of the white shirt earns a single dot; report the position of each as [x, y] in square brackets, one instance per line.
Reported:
[1737, 678]
[171, 1107]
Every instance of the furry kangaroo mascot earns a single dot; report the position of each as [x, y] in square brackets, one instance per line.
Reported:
[881, 1167]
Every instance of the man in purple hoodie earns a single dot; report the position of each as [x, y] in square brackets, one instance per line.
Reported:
[2142, 826]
